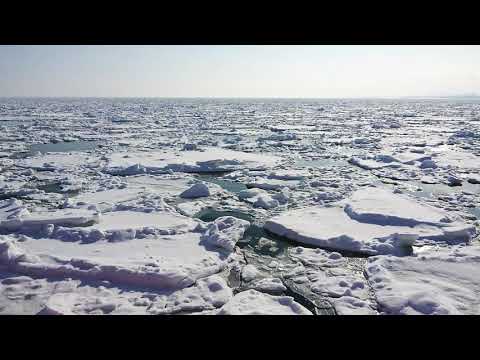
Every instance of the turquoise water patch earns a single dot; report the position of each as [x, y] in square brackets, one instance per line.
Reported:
[209, 215]
[252, 235]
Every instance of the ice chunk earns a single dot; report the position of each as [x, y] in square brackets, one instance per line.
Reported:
[383, 207]
[208, 160]
[13, 216]
[429, 180]
[249, 273]
[273, 286]
[107, 199]
[428, 164]
[252, 302]
[332, 228]
[207, 294]
[265, 202]
[370, 164]
[251, 194]
[196, 191]
[289, 174]
[167, 262]
[57, 161]
[372, 221]
[347, 305]
[316, 257]
[453, 180]
[388, 160]
[225, 231]
[116, 222]
[339, 286]
[272, 184]
[260, 198]
[434, 282]
[458, 159]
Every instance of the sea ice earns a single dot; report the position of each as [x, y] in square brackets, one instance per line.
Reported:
[445, 281]
[252, 302]
[14, 216]
[196, 191]
[117, 226]
[57, 161]
[250, 272]
[166, 262]
[208, 293]
[272, 286]
[225, 232]
[207, 160]
[372, 221]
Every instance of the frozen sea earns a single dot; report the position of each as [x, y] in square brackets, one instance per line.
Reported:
[239, 206]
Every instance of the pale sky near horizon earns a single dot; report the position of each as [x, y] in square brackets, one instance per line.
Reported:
[313, 71]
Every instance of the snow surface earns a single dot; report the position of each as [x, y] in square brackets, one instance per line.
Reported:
[209, 160]
[171, 261]
[436, 282]
[252, 302]
[14, 215]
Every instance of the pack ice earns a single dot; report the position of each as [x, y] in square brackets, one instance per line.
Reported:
[238, 206]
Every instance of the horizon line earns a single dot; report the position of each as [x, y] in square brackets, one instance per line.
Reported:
[240, 97]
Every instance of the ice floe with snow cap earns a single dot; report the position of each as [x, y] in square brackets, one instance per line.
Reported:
[207, 160]
[159, 262]
[372, 221]
[434, 282]
[252, 302]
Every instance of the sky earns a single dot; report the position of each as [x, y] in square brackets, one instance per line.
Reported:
[293, 71]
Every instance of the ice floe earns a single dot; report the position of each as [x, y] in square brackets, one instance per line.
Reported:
[225, 232]
[14, 216]
[371, 221]
[252, 302]
[208, 160]
[442, 282]
[170, 261]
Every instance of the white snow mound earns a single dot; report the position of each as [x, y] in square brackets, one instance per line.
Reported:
[252, 302]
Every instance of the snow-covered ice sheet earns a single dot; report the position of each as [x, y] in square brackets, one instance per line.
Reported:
[208, 160]
[380, 206]
[371, 221]
[58, 161]
[106, 199]
[436, 282]
[171, 261]
[14, 215]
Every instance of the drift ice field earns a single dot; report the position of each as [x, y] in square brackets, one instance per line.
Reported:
[239, 207]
